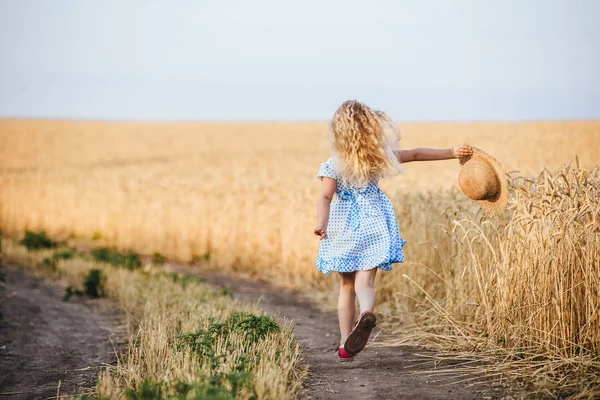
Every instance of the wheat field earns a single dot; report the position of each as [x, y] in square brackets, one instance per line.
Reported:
[242, 198]
[239, 194]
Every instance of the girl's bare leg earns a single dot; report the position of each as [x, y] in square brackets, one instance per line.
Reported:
[364, 287]
[346, 304]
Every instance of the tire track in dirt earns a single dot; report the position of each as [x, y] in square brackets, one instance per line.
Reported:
[376, 373]
[45, 339]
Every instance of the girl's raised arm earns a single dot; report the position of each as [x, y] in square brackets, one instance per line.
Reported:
[405, 156]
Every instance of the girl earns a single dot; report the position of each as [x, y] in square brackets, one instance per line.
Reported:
[357, 227]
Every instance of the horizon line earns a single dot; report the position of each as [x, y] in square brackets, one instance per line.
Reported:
[286, 121]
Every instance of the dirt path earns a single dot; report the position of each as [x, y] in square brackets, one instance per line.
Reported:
[45, 340]
[377, 373]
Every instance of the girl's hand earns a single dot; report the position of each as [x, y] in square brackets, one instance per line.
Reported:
[461, 151]
[320, 232]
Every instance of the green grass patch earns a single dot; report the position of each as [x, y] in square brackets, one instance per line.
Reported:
[49, 263]
[37, 241]
[64, 254]
[158, 259]
[150, 390]
[253, 328]
[129, 260]
[182, 279]
[93, 286]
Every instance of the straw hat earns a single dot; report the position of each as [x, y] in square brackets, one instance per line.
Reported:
[483, 179]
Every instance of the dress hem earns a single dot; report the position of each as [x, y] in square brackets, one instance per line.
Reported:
[326, 267]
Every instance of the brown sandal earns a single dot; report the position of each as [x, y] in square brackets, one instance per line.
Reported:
[359, 336]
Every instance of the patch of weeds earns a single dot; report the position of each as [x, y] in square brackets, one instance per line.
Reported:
[226, 292]
[202, 391]
[211, 390]
[129, 260]
[92, 284]
[132, 260]
[104, 254]
[49, 264]
[203, 342]
[97, 236]
[174, 276]
[158, 259]
[148, 390]
[64, 254]
[238, 380]
[254, 328]
[37, 241]
[200, 342]
[184, 280]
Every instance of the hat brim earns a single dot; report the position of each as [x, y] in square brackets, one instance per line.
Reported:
[498, 202]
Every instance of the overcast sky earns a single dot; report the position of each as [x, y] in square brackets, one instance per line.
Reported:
[284, 60]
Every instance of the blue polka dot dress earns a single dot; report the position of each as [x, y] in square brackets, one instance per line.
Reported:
[362, 232]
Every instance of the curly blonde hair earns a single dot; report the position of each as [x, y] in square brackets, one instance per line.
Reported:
[364, 141]
[392, 130]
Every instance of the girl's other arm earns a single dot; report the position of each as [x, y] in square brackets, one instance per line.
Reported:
[328, 187]
[405, 156]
